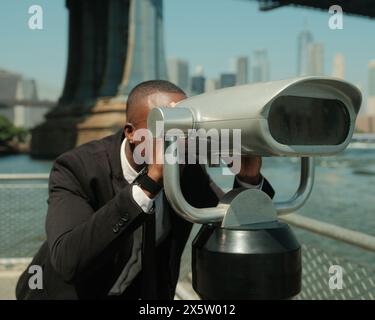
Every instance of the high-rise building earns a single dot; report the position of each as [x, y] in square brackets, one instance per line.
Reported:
[197, 81]
[371, 78]
[315, 59]
[14, 87]
[260, 69]
[338, 69]
[9, 84]
[304, 39]
[9, 90]
[227, 80]
[25, 116]
[211, 85]
[371, 88]
[178, 72]
[197, 85]
[242, 70]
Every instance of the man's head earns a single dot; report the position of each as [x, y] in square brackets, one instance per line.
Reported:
[144, 97]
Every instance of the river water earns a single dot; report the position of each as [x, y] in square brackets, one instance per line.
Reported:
[344, 194]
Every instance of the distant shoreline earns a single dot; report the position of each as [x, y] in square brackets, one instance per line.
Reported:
[13, 150]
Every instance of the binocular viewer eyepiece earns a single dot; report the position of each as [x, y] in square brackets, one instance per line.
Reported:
[294, 117]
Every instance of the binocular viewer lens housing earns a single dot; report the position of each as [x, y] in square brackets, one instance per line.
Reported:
[295, 117]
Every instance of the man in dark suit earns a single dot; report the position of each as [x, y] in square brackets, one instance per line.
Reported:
[96, 213]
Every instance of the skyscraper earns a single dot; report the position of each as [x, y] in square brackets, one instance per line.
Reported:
[26, 116]
[371, 88]
[304, 39]
[178, 72]
[9, 90]
[198, 81]
[242, 70]
[315, 59]
[260, 69]
[227, 80]
[211, 85]
[338, 69]
[14, 87]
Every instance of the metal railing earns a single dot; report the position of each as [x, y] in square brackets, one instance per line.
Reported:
[355, 238]
[23, 176]
[358, 281]
[23, 208]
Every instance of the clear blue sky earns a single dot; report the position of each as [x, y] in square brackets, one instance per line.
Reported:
[205, 32]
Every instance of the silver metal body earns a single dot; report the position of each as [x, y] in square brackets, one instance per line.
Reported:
[249, 108]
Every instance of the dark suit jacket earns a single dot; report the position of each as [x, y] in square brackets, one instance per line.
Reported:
[84, 252]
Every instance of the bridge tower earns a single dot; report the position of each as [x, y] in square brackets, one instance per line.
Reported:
[113, 45]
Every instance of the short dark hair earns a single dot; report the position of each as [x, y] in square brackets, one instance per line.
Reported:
[147, 88]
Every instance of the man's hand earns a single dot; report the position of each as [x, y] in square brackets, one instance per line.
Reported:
[155, 168]
[250, 169]
[155, 172]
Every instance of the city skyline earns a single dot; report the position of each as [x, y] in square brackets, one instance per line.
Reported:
[42, 54]
[311, 61]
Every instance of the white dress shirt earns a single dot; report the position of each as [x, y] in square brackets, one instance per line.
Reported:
[162, 221]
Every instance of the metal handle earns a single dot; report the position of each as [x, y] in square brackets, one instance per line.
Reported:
[304, 189]
[174, 194]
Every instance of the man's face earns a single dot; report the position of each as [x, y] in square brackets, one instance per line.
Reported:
[138, 117]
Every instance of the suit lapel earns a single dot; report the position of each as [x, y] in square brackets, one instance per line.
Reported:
[129, 261]
[180, 229]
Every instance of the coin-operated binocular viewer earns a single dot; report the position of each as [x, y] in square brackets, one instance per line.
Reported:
[242, 250]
